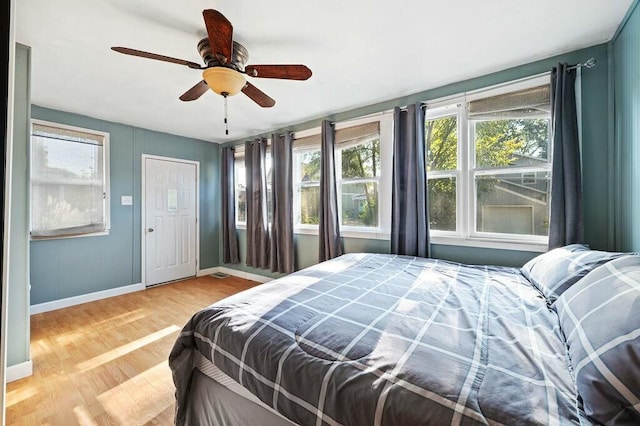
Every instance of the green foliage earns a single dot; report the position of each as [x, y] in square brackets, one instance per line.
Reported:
[362, 160]
[308, 219]
[309, 203]
[498, 141]
[441, 136]
[368, 214]
[493, 151]
[311, 166]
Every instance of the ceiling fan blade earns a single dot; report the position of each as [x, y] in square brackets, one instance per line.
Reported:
[195, 92]
[258, 96]
[220, 32]
[141, 54]
[288, 72]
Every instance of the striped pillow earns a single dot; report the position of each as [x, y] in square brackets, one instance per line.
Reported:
[600, 318]
[555, 271]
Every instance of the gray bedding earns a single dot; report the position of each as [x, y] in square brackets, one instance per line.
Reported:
[371, 339]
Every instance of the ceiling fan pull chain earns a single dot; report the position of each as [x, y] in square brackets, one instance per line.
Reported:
[226, 122]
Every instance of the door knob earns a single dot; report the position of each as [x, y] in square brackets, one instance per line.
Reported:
[150, 229]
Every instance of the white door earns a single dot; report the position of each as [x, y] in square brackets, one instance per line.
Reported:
[169, 220]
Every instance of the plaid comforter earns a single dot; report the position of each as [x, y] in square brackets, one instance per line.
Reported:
[372, 339]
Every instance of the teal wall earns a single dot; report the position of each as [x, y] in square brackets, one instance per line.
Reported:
[68, 267]
[18, 289]
[306, 251]
[626, 65]
[596, 137]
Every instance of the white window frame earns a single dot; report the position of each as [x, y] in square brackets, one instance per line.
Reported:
[106, 178]
[383, 230]
[238, 158]
[466, 197]
[301, 228]
[435, 112]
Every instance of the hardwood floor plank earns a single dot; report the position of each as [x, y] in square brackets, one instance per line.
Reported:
[105, 362]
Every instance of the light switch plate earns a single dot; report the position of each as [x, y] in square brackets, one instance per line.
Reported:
[126, 200]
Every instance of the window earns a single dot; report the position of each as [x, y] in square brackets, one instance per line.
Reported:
[441, 136]
[306, 179]
[488, 164]
[240, 180]
[358, 178]
[362, 177]
[69, 181]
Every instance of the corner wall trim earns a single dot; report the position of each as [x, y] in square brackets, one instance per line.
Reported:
[624, 21]
[19, 371]
[208, 271]
[84, 298]
[245, 275]
[236, 273]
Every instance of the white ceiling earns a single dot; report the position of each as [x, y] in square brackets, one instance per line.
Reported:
[360, 51]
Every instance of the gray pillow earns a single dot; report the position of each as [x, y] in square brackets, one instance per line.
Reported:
[555, 271]
[600, 319]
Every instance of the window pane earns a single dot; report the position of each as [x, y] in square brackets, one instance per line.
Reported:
[68, 187]
[268, 172]
[309, 166]
[513, 204]
[362, 160]
[240, 192]
[513, 142]
[442, 204]
[309, 204]
[441, 137]
[307, 180]
[360, 204]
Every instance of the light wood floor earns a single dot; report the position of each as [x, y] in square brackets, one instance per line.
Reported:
[105, 362]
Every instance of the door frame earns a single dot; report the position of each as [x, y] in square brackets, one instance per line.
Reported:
[143, 202]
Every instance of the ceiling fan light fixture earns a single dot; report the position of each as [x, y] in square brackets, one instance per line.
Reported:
[224, 81]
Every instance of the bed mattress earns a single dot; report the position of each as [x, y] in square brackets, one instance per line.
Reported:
[371, 339]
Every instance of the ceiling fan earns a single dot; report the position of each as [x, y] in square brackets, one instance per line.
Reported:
[225, 64]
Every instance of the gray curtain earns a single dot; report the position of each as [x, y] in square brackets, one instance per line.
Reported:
[409, 209]
[230, 251]
[566, 224]
[330, 245]
[257, 228]
[282, 253]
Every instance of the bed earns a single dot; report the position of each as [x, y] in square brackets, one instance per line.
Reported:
[375, 339]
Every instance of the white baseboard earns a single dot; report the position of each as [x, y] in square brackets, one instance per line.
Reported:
[246, 275]
[19, 371]
[208, 271]
[91, 297]
[234, 272]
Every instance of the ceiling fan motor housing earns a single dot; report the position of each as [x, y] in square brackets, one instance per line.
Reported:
[239, 59]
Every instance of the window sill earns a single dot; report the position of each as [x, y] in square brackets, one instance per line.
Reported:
[531, 246]
[347, 233]
[369, 235]
[537, 247]
[61, 237]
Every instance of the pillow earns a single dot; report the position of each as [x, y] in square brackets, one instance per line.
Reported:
[555, 271]
[600, 319]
